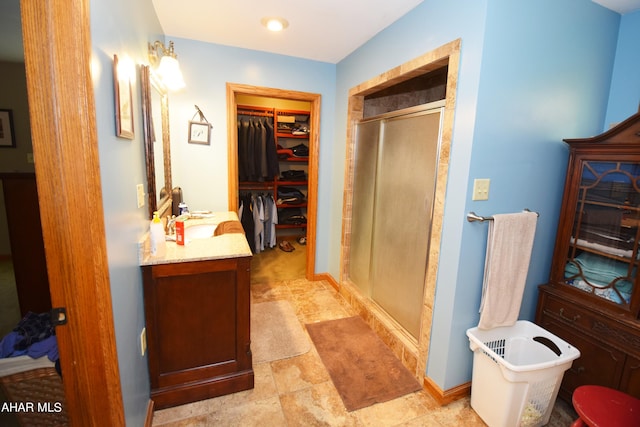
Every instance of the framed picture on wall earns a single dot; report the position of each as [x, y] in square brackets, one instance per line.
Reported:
[199, 132]
[7, 135]
[123, 100]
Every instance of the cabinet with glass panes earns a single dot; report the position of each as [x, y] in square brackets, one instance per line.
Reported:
[592, 299]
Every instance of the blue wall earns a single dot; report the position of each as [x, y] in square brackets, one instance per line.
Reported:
[532, 73]
[536, 88]
[201, 170]
[625, 86]
[124, 28]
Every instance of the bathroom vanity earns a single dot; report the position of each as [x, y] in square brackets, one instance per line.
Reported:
[197, 302]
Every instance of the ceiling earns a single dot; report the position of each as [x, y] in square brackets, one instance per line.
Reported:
[322, 30]
[620, 6]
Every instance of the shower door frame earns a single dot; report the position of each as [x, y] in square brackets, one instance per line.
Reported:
[373, 280]
[413, 353]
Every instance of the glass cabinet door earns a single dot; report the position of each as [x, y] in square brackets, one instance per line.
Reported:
[603, 252]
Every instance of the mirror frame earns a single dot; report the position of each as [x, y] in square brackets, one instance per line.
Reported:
[147, 84]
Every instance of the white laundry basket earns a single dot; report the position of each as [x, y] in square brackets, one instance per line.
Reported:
[517, 371]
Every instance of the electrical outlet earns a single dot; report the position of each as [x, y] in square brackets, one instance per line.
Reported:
[481, 189]
[143, 341]
[140, 195]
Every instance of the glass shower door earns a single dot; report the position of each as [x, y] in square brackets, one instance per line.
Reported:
[405, 187]
[365, 162]
[394, 186]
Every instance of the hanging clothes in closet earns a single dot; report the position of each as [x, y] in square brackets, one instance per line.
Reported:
[257, 155]
[259, 216]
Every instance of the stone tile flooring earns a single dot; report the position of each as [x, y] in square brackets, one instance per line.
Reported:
[298, 391]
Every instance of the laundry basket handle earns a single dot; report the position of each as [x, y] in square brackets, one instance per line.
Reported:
[547, 342]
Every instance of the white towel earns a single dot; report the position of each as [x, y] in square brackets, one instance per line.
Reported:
[509, 248]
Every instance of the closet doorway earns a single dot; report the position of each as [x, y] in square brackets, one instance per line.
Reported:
[237, 96]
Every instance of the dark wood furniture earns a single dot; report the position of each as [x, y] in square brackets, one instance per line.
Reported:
[198, 331]
[27, 245]
[592, 299]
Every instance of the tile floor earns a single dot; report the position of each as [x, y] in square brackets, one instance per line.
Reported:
[299, 392]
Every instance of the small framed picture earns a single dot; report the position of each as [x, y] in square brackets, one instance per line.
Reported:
[7, 135]
[123, 100]
[199, 132]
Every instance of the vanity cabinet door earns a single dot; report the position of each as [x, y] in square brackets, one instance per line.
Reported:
[197, 316]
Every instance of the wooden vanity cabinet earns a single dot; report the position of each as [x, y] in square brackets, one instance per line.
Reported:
[592, 299]
[198, 331]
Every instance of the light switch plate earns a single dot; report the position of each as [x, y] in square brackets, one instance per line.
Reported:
[140, 195]
[481, 189]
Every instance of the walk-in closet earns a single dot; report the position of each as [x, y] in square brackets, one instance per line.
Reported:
[275, 158]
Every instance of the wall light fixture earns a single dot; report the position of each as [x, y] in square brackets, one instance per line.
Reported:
[164, 62]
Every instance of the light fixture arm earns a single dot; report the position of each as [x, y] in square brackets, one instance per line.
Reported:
[165, 65]
[157, 50]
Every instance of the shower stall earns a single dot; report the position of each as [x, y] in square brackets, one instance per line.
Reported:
[394, 178]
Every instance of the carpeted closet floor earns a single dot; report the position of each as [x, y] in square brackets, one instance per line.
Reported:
[298, 391]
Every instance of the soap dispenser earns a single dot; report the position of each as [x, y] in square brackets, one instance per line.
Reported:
[158, 242]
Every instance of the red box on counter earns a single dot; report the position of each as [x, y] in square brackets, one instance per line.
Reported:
[180, 232]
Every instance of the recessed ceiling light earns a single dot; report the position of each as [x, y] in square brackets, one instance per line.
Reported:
[275, 23]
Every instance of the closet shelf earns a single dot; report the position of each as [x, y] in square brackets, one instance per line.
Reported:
[293, 183]
[291, 205]
[283, 226]
[291, 136]
[250, 185]
[295, 159]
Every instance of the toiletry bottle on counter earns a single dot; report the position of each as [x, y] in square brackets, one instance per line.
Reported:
[156, 231]
[180, 230]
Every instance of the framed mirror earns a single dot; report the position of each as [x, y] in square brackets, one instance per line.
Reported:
[155, 122]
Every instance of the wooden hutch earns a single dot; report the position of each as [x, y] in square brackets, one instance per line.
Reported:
[592, 299]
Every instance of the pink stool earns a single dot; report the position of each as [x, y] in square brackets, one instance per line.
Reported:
[599, 406]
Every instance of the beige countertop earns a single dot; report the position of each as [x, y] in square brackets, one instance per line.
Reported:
[231, 245]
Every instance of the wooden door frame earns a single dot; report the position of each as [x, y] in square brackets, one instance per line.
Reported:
[57, 47]
[233, 90]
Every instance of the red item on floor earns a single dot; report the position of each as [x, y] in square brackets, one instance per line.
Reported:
[599, 406]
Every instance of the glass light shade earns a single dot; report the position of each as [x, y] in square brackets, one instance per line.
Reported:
[275, 23]
[170, 74]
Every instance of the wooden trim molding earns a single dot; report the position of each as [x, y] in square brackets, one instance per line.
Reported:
[329, 278]
[445, 397]
[233, 90]
[148, 421]
[57, 48]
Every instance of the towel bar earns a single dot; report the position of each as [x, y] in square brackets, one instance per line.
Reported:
[473, 217]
